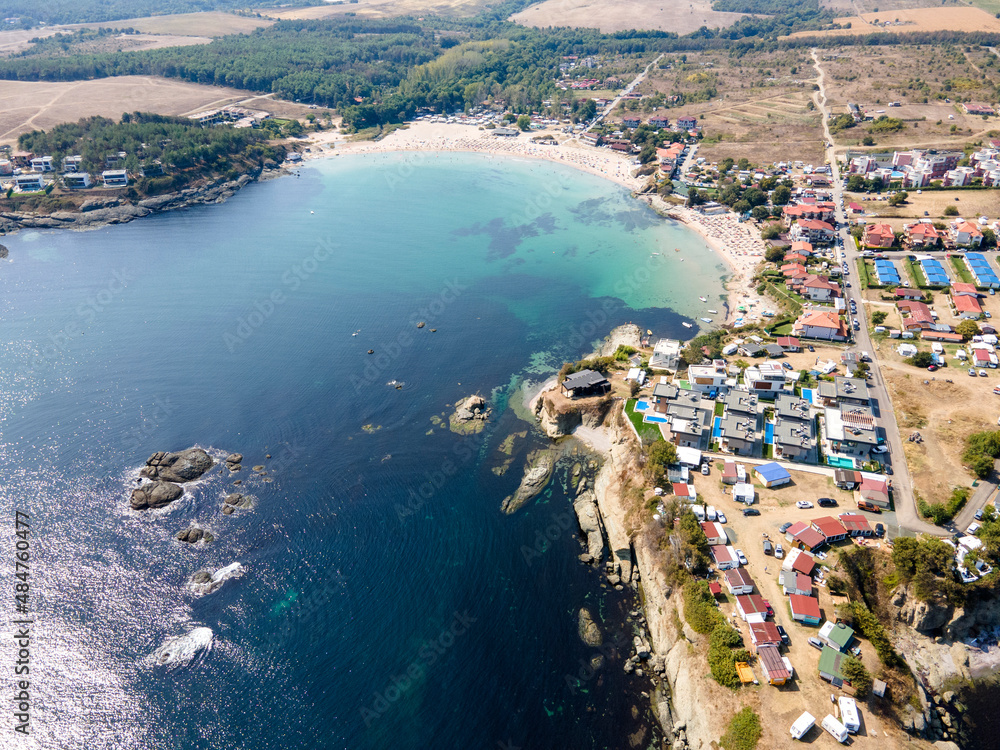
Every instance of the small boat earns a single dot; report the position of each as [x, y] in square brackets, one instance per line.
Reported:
[687, 325]
[655, 253]
[649, 332]
[714, 312]
[706, 320]
[703, 299]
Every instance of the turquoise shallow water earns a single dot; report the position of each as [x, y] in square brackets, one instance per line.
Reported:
[387, 602]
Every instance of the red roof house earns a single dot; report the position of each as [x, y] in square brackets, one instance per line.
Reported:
[804, 609]
[763, 634]
[830, 528]
[878, 235]
[752, 607]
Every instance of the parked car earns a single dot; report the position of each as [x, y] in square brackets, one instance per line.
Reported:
[704, 469]
[887, 469]
[973, 528]
[826, 502]
[982, 374]
[869, 506]
[803, 504]
[751, 512]
[721, 517]
[810, 347]
[879, 530]
[972, 372]
[778, 551]
[785, 526]
[882, 448]
[979, 514]
[931, 368]
[784, 635]
[768, 548]
[816, 643]
[741, 557]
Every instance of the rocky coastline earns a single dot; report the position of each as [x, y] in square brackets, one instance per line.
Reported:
[103, 211]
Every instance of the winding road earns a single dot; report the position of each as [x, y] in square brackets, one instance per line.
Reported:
[907, 515]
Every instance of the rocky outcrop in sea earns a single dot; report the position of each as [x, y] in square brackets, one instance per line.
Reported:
[537, 473]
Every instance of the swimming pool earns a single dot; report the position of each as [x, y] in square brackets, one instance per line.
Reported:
[769, 433]
[717, 428]
[807, 394]
[641, 405]
[659, 420]
[840, 463]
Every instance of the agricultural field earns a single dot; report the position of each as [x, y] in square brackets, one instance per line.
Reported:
[209, 23]
[901, 21]
[26, 105]
[381, 9]
[758, 106]
[925, 80]
[680, 16]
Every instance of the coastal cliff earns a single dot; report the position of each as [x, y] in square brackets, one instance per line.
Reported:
[558, 416]
[102, 211]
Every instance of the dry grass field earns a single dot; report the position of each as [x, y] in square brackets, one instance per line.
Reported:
[943, 413]
[915, 76]
[212, 23]
[758, 106]
[970, 203]
[681, 16]
[944, 18]
[26, 106]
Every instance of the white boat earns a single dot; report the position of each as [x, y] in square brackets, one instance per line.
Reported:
[687, 325]
[706, 320]
[714, 312]
[703, 299]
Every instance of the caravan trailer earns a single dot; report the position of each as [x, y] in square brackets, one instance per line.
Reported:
[849, 714]
[802, 725]
[834, 727]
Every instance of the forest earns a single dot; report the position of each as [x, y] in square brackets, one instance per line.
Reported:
[30, 12]
[186, 150]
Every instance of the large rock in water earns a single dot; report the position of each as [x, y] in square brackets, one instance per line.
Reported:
[589, 631]
[184, 466]
[155, 495]
[536, 475]
[589, 518]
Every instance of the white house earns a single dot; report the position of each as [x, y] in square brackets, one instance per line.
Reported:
[76, 180]
[708, 378]
[724, 556]
[666, 355]
[29, 183]
[766, 378]
[115, 178]
[715, 532]
[41, 164]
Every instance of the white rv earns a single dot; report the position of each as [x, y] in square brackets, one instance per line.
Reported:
[802, 725]
[834, 727]
[849, 714]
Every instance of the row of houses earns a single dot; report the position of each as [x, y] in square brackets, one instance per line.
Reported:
[923, 235]
[31, 182]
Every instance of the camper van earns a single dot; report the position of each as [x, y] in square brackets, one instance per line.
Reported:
[710, 513]
[834, 727]
[802, 725]
[699, 512]
[729, 350]
[849, 714]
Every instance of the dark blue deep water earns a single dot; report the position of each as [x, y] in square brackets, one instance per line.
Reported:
[387, 602]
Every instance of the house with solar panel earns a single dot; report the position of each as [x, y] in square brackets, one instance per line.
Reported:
[886, 273]
[981, 271]
[934, 272]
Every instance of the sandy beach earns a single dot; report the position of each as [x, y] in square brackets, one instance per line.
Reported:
[739, 244]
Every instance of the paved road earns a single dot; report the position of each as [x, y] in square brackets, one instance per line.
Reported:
[907, 515]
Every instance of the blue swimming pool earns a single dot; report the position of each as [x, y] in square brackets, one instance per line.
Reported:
[807, 394]
[717, 428]
[650, 418]
[641, 405]
[840, 463]
[769, 433]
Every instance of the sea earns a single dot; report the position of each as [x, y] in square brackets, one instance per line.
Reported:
[385, 600]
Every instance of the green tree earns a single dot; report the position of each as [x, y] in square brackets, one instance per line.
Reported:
[524, 122]
[898, 198]
[951, 211]
[782, 194]
[772, 230]
[855, 183]
[855, 673]
[774, 254]
[878, 317]
[744, 731]
[967, 329]
[921, 359]
[760, 213]
[659, 457]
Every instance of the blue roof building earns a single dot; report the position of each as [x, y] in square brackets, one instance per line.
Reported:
[772, 475]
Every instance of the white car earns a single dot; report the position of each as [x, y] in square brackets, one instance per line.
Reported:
[741, 557]
[803, 504]
[880, 449]
[721, 517]
[970, 531]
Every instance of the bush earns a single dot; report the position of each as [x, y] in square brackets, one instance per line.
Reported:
[980, 450]
[659, 456]
[871, 628]
[623, 352]
[744, 731]
[950, 211]
[700, 610]
[941, 513]
[922, 360]
[724, 650]
[879, 316]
